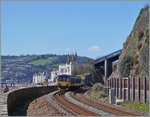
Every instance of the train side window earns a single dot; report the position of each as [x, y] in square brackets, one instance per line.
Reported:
[68, 80]
[63, 78]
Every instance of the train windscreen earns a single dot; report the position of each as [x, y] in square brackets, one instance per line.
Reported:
[64, 78]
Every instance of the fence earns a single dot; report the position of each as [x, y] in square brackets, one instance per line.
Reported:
[130, 88]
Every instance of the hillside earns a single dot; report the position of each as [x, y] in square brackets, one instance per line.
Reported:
[134, 59]
[22, 68]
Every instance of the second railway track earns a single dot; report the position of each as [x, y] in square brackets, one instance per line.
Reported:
[70, 107]
[102, 106]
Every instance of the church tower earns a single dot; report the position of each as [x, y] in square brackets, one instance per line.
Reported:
[72, 58]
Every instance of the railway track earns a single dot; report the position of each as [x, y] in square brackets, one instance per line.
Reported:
[102, 106]
[70, 107]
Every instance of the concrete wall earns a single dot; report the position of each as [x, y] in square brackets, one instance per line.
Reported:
[21, 95]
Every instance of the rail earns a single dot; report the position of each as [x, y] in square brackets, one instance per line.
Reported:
[70, 107]
[104, 107]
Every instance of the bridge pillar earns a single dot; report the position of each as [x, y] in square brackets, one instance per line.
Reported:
[108, 68]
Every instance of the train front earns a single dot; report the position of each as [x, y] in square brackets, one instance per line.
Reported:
[63, 82]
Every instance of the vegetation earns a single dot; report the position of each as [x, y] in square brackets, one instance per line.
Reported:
[42, 61]
[21, 68]
[125, 66]
[134, 59]
[136, 106]
[98, 75]
[98, 92]
[84, 68]
[91, 75]
[144, 62]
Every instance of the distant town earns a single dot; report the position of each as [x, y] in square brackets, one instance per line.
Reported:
[22, 69]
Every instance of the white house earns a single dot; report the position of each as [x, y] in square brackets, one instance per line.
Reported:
[39, 78]
[54, 74]
[66, 69]
[63, 69]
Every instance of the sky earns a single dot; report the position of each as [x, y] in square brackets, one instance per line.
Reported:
[92, 29]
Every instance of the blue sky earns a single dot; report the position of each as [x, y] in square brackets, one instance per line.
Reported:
[91, 28]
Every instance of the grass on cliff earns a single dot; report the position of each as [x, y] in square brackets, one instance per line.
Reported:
[44, 61]
[136, 106]
[41, 62]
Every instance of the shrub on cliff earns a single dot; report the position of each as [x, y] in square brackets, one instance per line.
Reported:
[144, 62]
[125, 66]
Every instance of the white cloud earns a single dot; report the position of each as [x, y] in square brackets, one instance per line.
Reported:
[94, 48]
[68, 49]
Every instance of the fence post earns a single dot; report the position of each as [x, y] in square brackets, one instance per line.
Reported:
[112, 83]
[145, 91]
[124, 94]
[124, 90]
[139, 89]
[133, 89]
[128, 88]
[116, 87]
[120, 88]
[108, 87]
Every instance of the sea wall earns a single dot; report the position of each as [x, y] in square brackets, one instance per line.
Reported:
[18, 96]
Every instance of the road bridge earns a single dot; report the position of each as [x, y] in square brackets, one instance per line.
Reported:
[106, 62]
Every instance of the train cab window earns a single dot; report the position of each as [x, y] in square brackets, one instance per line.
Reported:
[68, 80]
[64, 79]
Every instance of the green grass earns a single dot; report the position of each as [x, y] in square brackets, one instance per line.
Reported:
[136, 106]
[106, 100]
[98, 94]
[56, 65]
[41, 62]
[38, 62]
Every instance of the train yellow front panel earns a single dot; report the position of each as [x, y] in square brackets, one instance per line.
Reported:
[64, 83]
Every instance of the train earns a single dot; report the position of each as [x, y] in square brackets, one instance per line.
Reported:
[65, 82]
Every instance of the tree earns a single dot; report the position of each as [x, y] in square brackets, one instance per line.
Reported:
[82, 69]
[125, 66]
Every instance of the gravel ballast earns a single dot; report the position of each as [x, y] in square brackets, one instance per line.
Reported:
[90, 108]
[53, 102]
[42, 107]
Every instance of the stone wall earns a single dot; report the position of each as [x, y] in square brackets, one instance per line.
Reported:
[21, 95]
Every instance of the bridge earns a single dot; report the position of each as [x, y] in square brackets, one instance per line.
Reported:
[106, 62]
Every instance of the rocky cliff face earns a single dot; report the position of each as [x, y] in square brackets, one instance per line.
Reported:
[134, 59]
